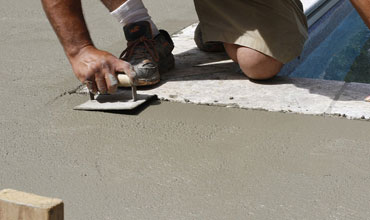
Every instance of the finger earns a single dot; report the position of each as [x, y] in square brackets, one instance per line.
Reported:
[100, 82]
[91, 85]
[112, 82]
[124, 67]
[121, 66]
[110, 79]
[94, 87]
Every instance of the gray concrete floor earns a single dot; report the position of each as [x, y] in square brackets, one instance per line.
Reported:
[169, 161]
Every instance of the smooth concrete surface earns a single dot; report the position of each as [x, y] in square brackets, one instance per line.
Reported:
[170, 160]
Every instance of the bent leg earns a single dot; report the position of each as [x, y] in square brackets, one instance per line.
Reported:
[254, 64]
[276, 30]
[129, 12]
[113, 4]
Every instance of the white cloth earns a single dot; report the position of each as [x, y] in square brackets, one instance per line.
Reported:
[133, 11]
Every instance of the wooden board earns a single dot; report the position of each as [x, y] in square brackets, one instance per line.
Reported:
[20, 205]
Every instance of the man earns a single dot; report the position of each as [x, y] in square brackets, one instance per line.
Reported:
[260, 35]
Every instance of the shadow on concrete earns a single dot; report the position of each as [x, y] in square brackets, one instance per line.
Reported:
[198, 65]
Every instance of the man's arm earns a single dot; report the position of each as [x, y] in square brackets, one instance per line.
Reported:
[67, 20]
[88, 63]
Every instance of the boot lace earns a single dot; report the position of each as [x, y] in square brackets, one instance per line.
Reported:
[142, 46]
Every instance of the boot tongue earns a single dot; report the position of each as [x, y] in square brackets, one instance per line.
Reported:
[136, 30]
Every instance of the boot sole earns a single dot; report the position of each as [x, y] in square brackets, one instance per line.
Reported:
[164, 66]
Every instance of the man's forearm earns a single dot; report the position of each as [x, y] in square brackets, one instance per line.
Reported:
[67, 19]
[363, 8]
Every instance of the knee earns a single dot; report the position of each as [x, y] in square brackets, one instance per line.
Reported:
[255, 65]
[260, 69]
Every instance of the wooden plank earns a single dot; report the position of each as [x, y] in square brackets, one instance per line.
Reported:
[25, 206]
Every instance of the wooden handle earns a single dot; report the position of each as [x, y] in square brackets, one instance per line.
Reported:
[124, 80]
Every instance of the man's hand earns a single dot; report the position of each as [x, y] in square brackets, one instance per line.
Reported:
[94, 67]
[97, 69]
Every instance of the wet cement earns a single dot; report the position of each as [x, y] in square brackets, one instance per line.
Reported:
[167, 161]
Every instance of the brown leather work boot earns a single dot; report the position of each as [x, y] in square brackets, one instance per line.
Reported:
[148, 55]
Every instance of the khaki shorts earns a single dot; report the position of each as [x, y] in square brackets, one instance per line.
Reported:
[277, 28]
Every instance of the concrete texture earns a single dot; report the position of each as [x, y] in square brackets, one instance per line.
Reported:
[169, 160]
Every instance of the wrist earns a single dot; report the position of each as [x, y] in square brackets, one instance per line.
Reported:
[74, 51]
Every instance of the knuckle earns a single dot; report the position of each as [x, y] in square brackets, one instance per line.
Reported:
[103, 62]
[111, 79]
[94, 68]
[99, 79]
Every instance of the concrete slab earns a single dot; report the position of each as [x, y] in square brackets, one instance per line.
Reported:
[282, 94]
[170, 161]
[351, 101]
